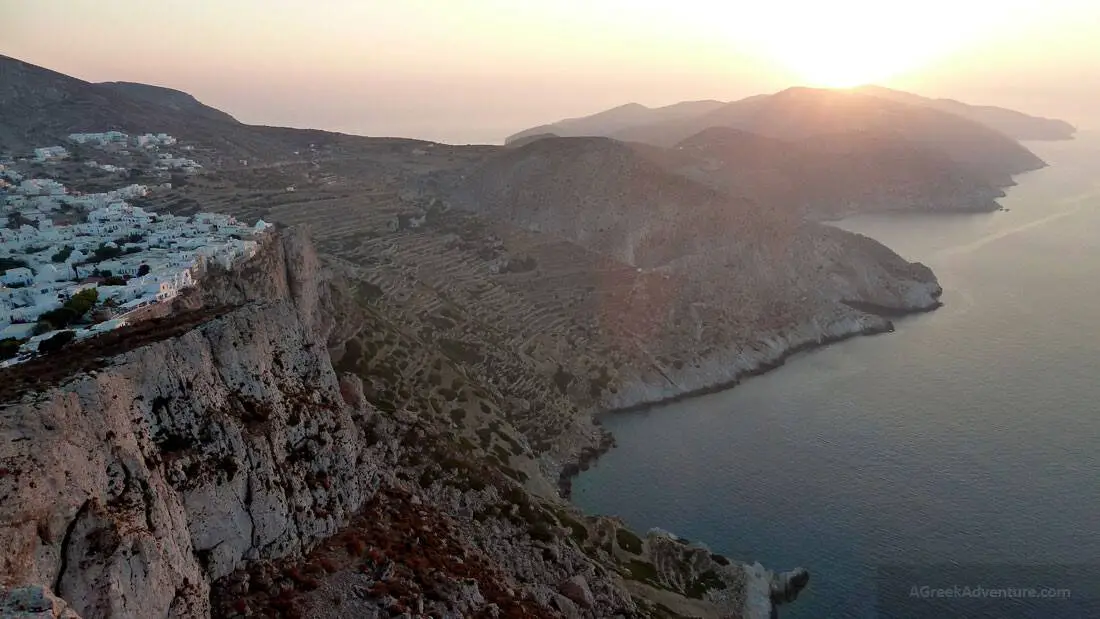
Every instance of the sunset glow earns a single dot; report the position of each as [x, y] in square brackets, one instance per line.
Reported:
[852, 42]
[491, 67]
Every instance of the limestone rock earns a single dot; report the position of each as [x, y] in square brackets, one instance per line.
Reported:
[33, 602]
[786, 586]
[576, 589]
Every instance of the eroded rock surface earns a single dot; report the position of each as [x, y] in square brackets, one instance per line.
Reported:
[234, 469]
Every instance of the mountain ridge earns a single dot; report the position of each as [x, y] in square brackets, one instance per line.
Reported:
[1013, 123]
[1017, 125]
[170, 98]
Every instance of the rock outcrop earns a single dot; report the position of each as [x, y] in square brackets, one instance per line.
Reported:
[131, 487]
[33, 602]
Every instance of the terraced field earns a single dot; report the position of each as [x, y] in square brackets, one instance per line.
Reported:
[554, 324]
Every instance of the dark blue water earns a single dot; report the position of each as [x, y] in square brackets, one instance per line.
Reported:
[969, 435]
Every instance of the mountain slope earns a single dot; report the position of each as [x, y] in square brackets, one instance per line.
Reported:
[1009, 122]
[830, 175]
[615, 119]
[169, 98]
[799, 113]
[600, 193]
[42, 107]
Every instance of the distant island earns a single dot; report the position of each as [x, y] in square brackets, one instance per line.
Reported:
[634, 120]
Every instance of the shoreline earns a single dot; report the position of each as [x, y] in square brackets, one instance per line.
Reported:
[590, 455]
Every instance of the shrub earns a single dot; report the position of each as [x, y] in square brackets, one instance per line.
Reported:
[9, 347]
[59, 318]
[130, 238]
[103, 252]
[645, 572]
[628, 541]
[11, 263]
[56, 342]
[73, 310]
[542, 532]
[705, 582]
[62, 255]
[16, 220]
[83, 301]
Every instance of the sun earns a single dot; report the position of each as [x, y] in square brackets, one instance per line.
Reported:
[844, 43]
[844, 63]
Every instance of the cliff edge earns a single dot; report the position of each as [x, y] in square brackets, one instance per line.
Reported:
[233, 469]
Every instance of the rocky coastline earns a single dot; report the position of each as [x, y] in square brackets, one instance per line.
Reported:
[235, 469]
[722, 372]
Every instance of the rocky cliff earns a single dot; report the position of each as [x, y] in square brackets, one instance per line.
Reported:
[234, 469]
[720, 288]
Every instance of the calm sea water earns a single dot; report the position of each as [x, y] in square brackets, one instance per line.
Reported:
[970, 435]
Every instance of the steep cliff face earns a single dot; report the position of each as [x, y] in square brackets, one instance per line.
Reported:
[233, 470]
[129, 489]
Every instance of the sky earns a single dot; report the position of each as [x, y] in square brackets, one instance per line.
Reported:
[464, 71]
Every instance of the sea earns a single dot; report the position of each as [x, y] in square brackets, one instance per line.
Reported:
[948, 469]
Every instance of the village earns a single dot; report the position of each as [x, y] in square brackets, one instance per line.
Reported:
[75, 264]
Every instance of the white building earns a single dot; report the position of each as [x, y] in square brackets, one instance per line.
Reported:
[41, 187]
[177, 163]
[50, 152]
[150, 140]
[18, 275]
[50, 273]
[98, 139]
[170, 249]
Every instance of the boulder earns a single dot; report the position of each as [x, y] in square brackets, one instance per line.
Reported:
[576, 589]
[785, 587]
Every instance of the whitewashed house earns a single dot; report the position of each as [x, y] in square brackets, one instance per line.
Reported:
[85, 270]
[48, 153]
[49, 273]
[19, 275]
[98, 139]
[114, 266]
[19, 331]
[41, 187]
[7, 298]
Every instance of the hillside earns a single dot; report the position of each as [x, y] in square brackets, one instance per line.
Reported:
[175, 100]
[42, 107]
[527, 139]
[831, 175]
[601, 194]
[618, 118]
[800, 113]
[1009, 122]
[715, 272]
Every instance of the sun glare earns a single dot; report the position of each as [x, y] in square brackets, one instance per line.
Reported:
[835, 63]
[845, 43]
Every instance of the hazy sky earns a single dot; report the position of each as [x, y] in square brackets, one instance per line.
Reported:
[478, 70]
